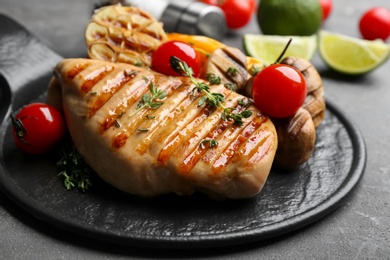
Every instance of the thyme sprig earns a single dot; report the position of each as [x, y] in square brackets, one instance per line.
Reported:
[212, 99]
[212, 143]
[75, 172]
[152, 100]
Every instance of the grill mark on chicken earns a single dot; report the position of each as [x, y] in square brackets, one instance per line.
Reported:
[176, 140]
[119, 140]
[128, 103]
[193, 157]
[222, 133]
[184, 125]
[95, 76]
[76, 70]
[109, 89]
[171, 109]
[259, 146]
[127, 97]
[221, 161]
[143, 122]
[132, 124]
[192, 142]
[170, 148]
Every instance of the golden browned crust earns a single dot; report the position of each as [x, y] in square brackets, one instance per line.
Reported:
[157, 151]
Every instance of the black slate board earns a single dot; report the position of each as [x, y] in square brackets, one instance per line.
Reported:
[288, 201]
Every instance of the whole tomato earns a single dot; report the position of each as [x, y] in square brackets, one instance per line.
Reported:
[38, 128]
[183, 51]
[279, 90]
[375, 24]
[326, 6]
[238, 13]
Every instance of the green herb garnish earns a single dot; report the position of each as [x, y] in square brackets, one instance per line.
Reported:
[74, 170]
[231, 86]
[232, 71]
[212, 99]
[212, 143]
[213, 78]
[244, 102]
[151, 100]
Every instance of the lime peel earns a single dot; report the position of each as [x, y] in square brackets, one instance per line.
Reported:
[352, 56]
[267, 48]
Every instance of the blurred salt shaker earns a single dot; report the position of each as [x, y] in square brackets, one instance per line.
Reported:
[184, 16]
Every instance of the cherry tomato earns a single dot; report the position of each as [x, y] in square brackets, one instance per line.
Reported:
[279, 90]
[184, 51]
[375, 24]
[326, 6]
[238, 12]
[37, 128]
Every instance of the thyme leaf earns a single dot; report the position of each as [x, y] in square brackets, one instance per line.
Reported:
[212, 99]
[231, 86]
[232, 71]
[150, 117]
[213, 78]
[75, 172]
[212, 143]
[151, 100]
[244, 102]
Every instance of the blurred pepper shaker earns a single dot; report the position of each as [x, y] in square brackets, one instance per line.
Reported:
[187, 17]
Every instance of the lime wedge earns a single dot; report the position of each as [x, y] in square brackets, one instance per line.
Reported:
[351, 55]
[267, 48]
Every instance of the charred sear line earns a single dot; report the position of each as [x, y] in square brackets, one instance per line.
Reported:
[119, 139]
[175, 106]
[94, 77]
[196, 154]
[176, 139]
[230, 65]
[240, 142]
[236, 56]
[135, 120]
[76, 70]
[192, 148]
[133, 90]
[185, 123]
[110, 88]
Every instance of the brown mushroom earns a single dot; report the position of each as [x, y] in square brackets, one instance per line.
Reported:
[315, 100]
[229, 64]
[296, 140]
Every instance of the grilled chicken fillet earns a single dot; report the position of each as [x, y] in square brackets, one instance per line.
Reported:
[166, 149]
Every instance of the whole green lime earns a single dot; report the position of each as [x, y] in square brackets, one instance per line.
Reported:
[289, 17]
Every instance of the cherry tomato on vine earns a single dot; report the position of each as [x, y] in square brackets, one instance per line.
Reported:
[279, 90]
[238, 13]
[326, 6]
[162, 55]
[375, 24]
[38, 128]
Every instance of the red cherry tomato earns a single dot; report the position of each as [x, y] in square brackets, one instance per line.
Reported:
[279, 90]
[184, 51]
[375, 24]
[238, 12]
[37, 128]
[326, 6]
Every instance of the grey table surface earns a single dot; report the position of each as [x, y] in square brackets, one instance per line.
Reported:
[360, 229]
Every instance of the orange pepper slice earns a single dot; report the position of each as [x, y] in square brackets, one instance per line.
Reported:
[204, 46]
